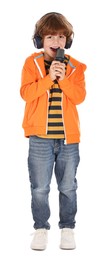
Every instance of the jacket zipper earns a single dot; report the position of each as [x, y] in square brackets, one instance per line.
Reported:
[65, 141]
[47, 112]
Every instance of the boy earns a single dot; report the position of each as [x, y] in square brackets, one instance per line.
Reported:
[51, 90]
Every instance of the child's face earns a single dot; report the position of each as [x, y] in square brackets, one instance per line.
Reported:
[51, 43]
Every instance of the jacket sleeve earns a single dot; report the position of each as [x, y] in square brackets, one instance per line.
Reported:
[32, 85]
[73, 85]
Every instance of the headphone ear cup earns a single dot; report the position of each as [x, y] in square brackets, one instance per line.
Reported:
[68, 44]
[37, 40]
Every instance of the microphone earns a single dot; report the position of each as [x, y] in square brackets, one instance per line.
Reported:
[60, 55]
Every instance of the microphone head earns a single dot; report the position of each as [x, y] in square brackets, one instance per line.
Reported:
[60, 55]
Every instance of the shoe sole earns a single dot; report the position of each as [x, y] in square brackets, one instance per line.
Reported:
[67, 247]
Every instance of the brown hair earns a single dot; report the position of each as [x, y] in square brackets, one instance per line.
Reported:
[51, 23]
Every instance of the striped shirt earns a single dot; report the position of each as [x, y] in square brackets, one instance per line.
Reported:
[55, 127]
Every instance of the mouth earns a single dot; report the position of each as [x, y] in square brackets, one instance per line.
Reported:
[54, 49]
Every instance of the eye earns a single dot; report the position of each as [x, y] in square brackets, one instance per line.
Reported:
[62, 36]
[48, 37]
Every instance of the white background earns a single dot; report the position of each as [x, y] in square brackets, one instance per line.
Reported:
[17, 20]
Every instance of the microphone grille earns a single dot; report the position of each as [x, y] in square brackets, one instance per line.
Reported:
[60, 55]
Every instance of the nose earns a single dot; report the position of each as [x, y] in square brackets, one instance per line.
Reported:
[55, 40]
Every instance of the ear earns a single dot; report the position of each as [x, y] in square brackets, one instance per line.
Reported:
[37, 40]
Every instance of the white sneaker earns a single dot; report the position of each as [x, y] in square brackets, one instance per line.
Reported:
[67, 239]
[40, 238]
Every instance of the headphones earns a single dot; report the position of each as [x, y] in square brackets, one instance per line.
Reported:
[38, 42]
[37, 39]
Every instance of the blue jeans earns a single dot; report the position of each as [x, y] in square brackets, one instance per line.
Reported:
[44, 154]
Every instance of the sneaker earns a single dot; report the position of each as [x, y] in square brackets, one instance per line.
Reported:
[67, 239]
[40, 238]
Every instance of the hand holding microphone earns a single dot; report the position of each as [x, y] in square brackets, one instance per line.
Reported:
[57, 69]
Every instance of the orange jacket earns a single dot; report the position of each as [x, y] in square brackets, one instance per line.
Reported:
[35, 85]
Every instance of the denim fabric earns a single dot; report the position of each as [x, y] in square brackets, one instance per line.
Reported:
[45, 157]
